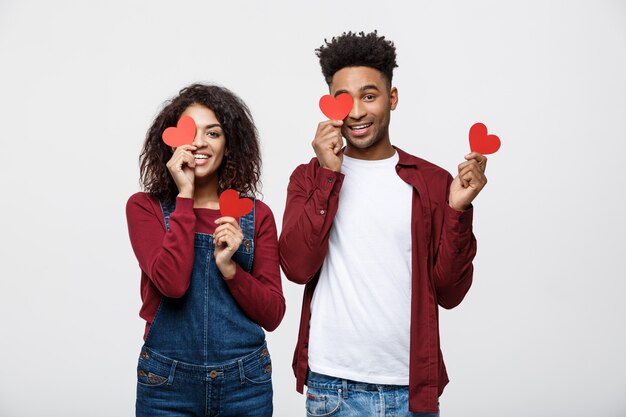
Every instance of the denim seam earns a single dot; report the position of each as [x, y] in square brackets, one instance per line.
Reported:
[242, 378]
[170, 379]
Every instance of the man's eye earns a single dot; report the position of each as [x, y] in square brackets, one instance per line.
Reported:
[369, 97]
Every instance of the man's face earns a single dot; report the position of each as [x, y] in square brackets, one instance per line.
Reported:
[368, 122]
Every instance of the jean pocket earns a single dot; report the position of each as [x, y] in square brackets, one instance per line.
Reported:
[260, 371]
[321, 403]
[150, 379]
[151, 373]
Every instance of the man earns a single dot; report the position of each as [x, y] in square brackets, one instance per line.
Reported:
[380, 238]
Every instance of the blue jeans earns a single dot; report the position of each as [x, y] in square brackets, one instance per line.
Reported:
[166, 387]
[329, 396]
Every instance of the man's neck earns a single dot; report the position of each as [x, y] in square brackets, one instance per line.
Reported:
[381, 150]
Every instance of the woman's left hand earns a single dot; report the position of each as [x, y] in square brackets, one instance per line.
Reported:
[227, 237]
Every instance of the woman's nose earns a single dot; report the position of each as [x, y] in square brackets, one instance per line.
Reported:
[198, 140]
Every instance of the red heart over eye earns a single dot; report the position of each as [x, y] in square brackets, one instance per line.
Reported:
[481, 142]
[233, 206]
[336, 108]
[182, 134]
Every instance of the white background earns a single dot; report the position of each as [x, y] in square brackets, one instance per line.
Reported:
[542, 331]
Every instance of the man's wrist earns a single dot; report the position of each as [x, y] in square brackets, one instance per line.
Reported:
[459, 208]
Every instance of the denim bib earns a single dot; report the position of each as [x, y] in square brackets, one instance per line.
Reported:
[206, 326]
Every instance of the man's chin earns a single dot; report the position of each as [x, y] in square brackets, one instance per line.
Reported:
[360, 143]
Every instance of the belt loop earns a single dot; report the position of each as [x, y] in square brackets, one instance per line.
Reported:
[170, 380]
[344, 388]
[242, 376]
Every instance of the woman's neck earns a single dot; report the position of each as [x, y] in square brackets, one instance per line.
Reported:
[205, 193]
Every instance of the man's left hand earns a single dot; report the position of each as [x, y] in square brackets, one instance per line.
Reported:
[469, 181]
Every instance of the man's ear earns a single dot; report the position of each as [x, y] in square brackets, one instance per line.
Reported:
[393, 98]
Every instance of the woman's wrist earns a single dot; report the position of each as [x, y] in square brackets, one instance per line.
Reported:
[185, 193]
[227, 268]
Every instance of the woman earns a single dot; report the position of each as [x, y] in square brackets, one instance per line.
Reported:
[208, 283]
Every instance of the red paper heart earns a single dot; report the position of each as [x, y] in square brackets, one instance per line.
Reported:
[233, 206]
[182, 134]
[336, 108]
[481, 142]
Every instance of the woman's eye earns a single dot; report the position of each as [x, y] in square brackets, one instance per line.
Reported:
[213, 134]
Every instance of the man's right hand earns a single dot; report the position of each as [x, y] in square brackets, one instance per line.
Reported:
[328, 144]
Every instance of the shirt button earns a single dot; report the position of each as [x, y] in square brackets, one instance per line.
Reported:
[322, 211]
[330, 179]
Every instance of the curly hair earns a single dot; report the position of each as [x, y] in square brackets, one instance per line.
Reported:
[241, 166]
[353, 50]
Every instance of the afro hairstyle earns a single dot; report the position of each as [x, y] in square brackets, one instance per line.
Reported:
[357, 49]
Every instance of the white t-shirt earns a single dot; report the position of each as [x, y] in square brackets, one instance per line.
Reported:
[361, 308]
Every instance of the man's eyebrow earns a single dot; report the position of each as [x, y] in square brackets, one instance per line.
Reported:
[362, 89]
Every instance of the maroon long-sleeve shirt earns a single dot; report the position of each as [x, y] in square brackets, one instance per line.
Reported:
[166, 259]
[443, 247]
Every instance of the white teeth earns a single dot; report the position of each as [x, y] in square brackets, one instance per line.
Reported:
[201, 156]
[359, 127]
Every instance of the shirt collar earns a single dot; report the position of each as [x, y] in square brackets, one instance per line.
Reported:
[405, 158]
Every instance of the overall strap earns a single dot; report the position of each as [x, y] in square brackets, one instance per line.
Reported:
[247, 227]
[167, 209]
[247, 223]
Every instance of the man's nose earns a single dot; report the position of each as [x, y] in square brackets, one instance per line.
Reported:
[357, 111]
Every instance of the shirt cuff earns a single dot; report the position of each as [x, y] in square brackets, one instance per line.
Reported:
[238, 280]
[462, 220]
[184, 204]
[326, 178]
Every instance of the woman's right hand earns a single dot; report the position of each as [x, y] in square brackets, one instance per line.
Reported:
[181, 165]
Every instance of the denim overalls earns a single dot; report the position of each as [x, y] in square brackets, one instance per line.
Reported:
[202, 355]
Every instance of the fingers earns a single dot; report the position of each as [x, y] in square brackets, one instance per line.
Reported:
[328, 135]
[182, 156]
[335, 123]
[472, 162]
[228, 242]
[328, 144]
[227, 219]
[228, 233]
[471, 174]
[479, 158]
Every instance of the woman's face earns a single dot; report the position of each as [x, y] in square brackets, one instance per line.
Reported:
[209, 140]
